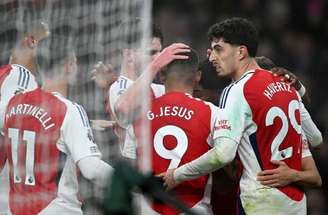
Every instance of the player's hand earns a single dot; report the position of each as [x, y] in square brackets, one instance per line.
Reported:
[103, 75]
[101, 125]
[279, 177]
[168, 178]
[287, 76]
[170, 53]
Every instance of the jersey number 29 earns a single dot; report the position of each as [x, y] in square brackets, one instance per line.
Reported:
[278, 112]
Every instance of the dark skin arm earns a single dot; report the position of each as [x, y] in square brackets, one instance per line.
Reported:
[293, 80]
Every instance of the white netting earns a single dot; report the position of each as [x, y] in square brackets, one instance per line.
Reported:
[93, 28]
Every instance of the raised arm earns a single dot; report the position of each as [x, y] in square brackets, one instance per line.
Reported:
[130, 100]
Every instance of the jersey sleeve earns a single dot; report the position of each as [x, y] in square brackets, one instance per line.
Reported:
[115, 91]
[158, 89]
[17, 80]
[311, 132]
[305, 146]
[234, 114]
[214, 118]
[76, 134]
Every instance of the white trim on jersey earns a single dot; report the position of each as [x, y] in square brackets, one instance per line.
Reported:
[18, 80]
[128, 148]
[76, 137]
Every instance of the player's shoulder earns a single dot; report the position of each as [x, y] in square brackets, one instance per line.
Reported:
[201, 104]
[5, 69]
[68, 103]
[235, 90]
[73, 109]
[122, 82]
[158, 89]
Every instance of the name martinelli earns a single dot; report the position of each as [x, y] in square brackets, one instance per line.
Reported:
[35, 111]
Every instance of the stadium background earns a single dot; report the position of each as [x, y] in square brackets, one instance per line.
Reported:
[293, 34]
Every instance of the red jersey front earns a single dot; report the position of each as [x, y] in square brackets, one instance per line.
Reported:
[181, 131]
[262, 114]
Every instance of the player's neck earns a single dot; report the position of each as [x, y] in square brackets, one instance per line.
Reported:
[26, 59]
[178, 88]
[129, 70]
[59, 86]
[245, 66]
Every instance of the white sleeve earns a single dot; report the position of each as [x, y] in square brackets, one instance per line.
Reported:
[115, 91]
[312, 133]
[18, 80]
[214, 118]
[222, 153]
[305, 147]
[158, 89]
[95, 170]
[234, 114]
[76, 134]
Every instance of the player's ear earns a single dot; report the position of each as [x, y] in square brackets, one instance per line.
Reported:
[198, 76]
[30, 41]
[242, 52]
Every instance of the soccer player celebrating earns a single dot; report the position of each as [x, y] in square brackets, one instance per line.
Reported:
[131, 68]
[284, 175]
[181, 131]
[259, 118]
[48, 140]
[19, 75]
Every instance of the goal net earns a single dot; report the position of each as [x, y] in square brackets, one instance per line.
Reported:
[93, 29]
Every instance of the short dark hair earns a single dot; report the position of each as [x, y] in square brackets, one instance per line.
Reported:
[184, 69]
[265, 63]
[236, 31]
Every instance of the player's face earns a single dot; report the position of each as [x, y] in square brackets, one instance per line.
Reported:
[152, 49]
[224, 57]
[72, 70]
[155, 48]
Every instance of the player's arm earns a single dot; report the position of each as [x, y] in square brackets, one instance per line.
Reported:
[95, 170]
[77, 141]
[3, 154]
[311, 131]
[129, 102]
[222, 153]
[284, 175]
[294, 81]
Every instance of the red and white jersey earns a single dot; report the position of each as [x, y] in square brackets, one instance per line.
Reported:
[262, 114]
[45, 136]
[125, 133]
[181, 131]
[14, 79]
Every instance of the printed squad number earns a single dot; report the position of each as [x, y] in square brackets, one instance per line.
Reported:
[278, 112]
[176, 153]
[29, 137]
